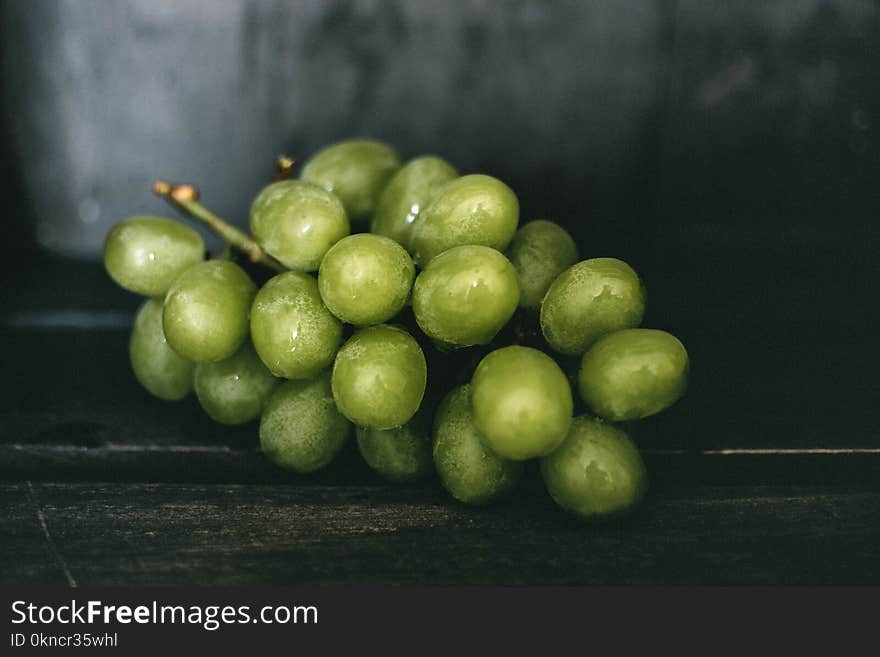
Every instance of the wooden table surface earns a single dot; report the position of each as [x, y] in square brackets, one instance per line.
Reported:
[127, 534]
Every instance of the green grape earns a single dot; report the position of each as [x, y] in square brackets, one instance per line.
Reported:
[235, 390]
[379, 377]
[597, 472]
[469, 471]
[146, 254]
[356, 171]
[465, 295]
[301, 429]
[540, 251]
[206, 311]
[399, 455]
[407, 194]
[297, 222]
[366, 279]
[472, 209]
[588, 300]
[521, 402]
[634, 373]
[292, 330]
[157, 367]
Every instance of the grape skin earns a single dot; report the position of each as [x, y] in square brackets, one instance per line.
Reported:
[297, 222]
[301, 429]
[356, 171]
[366, 279]
[205, 316]
[522, 402]
[292, 330]
[465, 296]
[469, 471]
[399, 455]
[156, 366]
[597, 472]
[235, 390]
[633, 374]
[408, 192]
[540, 251]
[146, 254]
[588, 300]
[379, 377]
[474, 209]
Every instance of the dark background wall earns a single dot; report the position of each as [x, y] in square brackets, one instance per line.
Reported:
[729, 150]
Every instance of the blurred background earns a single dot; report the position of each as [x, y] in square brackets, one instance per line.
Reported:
[728, 150]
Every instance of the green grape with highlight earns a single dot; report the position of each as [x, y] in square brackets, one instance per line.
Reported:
[297, 222]
[445, 267]
[379, 377]
[474, 209]
[465, 296]
[156, 366]
[597, 472]
[292, 330]
[356, 171]
[408, 193]
[588, 300]
[234, 390]
[146, 254]
[634, 373]
[205, 315]
[468, 469]
[522, 402]
[366, 279]
[301, 429]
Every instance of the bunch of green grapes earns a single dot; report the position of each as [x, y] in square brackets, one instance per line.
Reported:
[385, 320]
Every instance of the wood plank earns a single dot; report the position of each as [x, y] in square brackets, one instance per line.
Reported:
[114, 534]
[225, 464]
[26, 554]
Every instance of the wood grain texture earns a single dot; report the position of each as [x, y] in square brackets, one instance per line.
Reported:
[128, 534]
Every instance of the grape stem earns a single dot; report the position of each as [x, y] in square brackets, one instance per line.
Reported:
[283, 167]
[186, 199]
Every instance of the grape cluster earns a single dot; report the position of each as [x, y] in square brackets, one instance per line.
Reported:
[438, 333]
